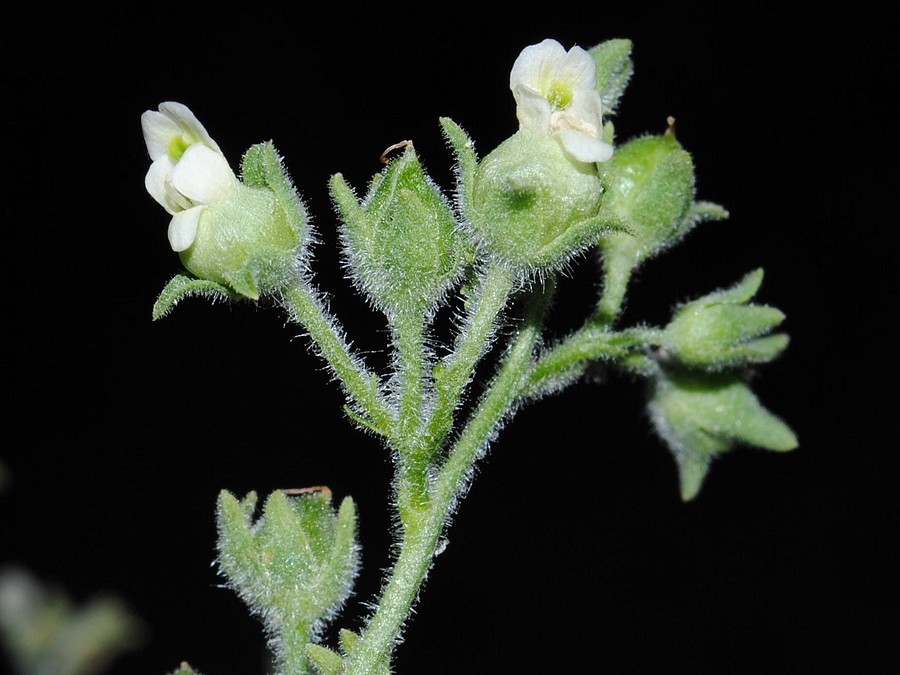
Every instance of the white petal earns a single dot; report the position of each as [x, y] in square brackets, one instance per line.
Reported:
[183, 228]
[586, 105]
[532, 109]
[585, 148]
[158, 131]
[578, 69]
[536, 64]
[202, 175]
[155, 182]
[188, 123]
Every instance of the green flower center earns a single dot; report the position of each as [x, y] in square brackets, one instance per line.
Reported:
[177, 146]
[559, 94]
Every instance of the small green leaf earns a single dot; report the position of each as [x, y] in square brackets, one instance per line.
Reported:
[615, 67]
[180, 287]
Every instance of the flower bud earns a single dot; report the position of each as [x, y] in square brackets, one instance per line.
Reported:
[402, 242]
[722, 330]
[650, 186]
[294, 566]
[702, 415]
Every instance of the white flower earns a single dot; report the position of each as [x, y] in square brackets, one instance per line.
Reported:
[556, 92]
[188, 172]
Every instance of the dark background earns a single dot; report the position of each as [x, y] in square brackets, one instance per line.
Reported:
[572, 552]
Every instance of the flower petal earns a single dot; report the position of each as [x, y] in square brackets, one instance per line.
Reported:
[183, 228]
[202, 174]
[159, 129]
[155, 182]
[532, 109]
[577, 68]
[536, 64]
[583, 147]
[187, 122]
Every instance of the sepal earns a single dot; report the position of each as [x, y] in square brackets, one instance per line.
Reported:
[294, 566]
[403, 244]
[723, 330]
[703, 415]
[615, 67]
[181, 287]
[533, 207]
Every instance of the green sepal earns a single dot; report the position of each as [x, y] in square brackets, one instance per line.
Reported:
[181, 287]
[721, 330]
[533, 208]
[325, 661]
[402, 242]
[263, 166]
[702, 415]
[466, 160]
[294, 566]
[615, 67]
[185, 669]
[705, 211]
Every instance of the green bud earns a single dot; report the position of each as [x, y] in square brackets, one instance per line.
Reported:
[702, 415]
[294, 566]
[403, 243]
[650, 186]
[248, 241]
[650, 189]
[722, 330]
[612, 59]
[533, 207]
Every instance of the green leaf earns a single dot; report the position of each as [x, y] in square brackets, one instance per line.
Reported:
[180, 287]
[615, 67]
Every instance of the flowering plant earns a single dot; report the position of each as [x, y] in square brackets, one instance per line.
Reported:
[559, 191]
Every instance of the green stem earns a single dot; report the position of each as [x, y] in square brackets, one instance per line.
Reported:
[421, 538]
[359, 383]
[592, 342]
[451, 379]
[291, 655]
[409, 341]
[617, 271]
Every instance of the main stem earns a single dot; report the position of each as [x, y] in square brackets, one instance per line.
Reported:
[421, 536]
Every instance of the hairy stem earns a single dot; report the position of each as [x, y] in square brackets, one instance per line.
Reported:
[308, 310]
[569, 358]
[457, 371]
[420, 540]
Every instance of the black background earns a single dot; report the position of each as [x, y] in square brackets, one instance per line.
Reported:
[572, 552]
